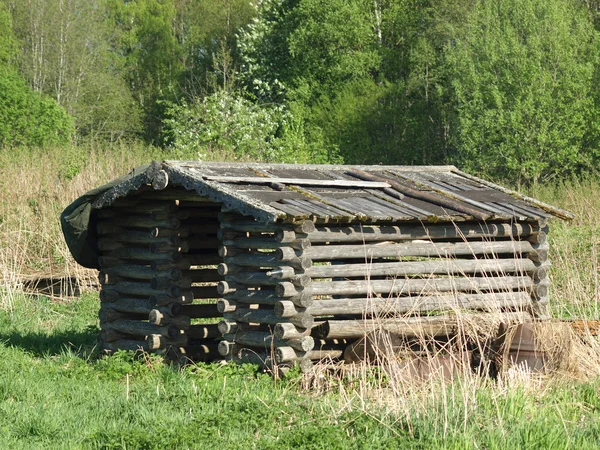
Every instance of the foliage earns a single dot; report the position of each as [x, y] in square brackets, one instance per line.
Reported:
[227, 121]
[207, 31]
[48, 358]
[501, 88]
[522, 81]
[67, 53]
[26, 118]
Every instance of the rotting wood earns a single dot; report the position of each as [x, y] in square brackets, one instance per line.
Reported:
[204, 310]
[297, 181]
[144, 222]
[399, 286]
[445, 325]
[143, 306]
[227, 327]
[268, 297]
[288, 354]
[109, 314]
[139, 328]
[143, 254]
[224, 287]
[267, 317]
[251, 279]
[369, 233]
[324, 353]
[441, 267]
[161, 264]
[428, 249]
[539, 253]
[202, 352]
[489, 302]
[268, 260]
[160, 180]
[183, 247]
[265, 243]
[226, 306]
[175, 194]
[166, 283]
[109, 295]
[158, 342]
[109, 335]
[161, 232]
[165, 215]
[136, 238]
[144, 272]
[143, 207]
[185, 297]
[157, 317]
[265, 340]
[428, 197]
[247, 226]
[138, 288]
[286, 330]
[227, 348]
[203, 331]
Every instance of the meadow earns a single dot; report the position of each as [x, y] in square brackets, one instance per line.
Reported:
[57, 391]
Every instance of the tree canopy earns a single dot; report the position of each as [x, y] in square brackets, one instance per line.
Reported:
[505, 88]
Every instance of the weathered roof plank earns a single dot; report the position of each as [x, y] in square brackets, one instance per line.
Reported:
[272, 192]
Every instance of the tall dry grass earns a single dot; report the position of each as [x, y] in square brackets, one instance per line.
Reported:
[441, 388]
[36, 186]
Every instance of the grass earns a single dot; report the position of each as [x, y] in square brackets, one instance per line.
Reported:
[56, 391]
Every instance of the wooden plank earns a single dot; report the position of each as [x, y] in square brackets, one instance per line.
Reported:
[298, 181]
[369, 233]
[427, 249]
[446, 325]
[400, 305]
[404, 286]
[440, 199]
[442, 267]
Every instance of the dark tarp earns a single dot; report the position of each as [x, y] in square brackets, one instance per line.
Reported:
[78, 222]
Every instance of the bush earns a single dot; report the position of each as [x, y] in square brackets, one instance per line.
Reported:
[521, 76]
[28, 118]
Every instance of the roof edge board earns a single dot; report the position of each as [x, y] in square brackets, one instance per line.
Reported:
[222, 194]
[123, 189]
[175, 163]
[557, 212]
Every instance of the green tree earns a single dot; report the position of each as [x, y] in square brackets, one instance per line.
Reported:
[207, 31]
[520, 75]
[146, 39]
[26, 118]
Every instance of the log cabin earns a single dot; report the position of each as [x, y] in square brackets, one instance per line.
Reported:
[290, 264]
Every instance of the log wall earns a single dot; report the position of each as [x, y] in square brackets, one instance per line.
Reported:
[298, 292]
[159, 256]
[185, 276]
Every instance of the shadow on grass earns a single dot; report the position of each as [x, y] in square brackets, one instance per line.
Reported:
[82, 342]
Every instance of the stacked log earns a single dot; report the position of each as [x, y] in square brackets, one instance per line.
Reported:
[158, 274]
[252, 288]
[303, 283]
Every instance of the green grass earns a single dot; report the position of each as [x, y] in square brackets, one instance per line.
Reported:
[57, 392]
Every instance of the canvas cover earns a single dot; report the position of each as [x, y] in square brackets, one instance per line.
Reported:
[78, 222]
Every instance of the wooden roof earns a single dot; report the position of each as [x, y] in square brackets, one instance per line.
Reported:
[271, 192]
